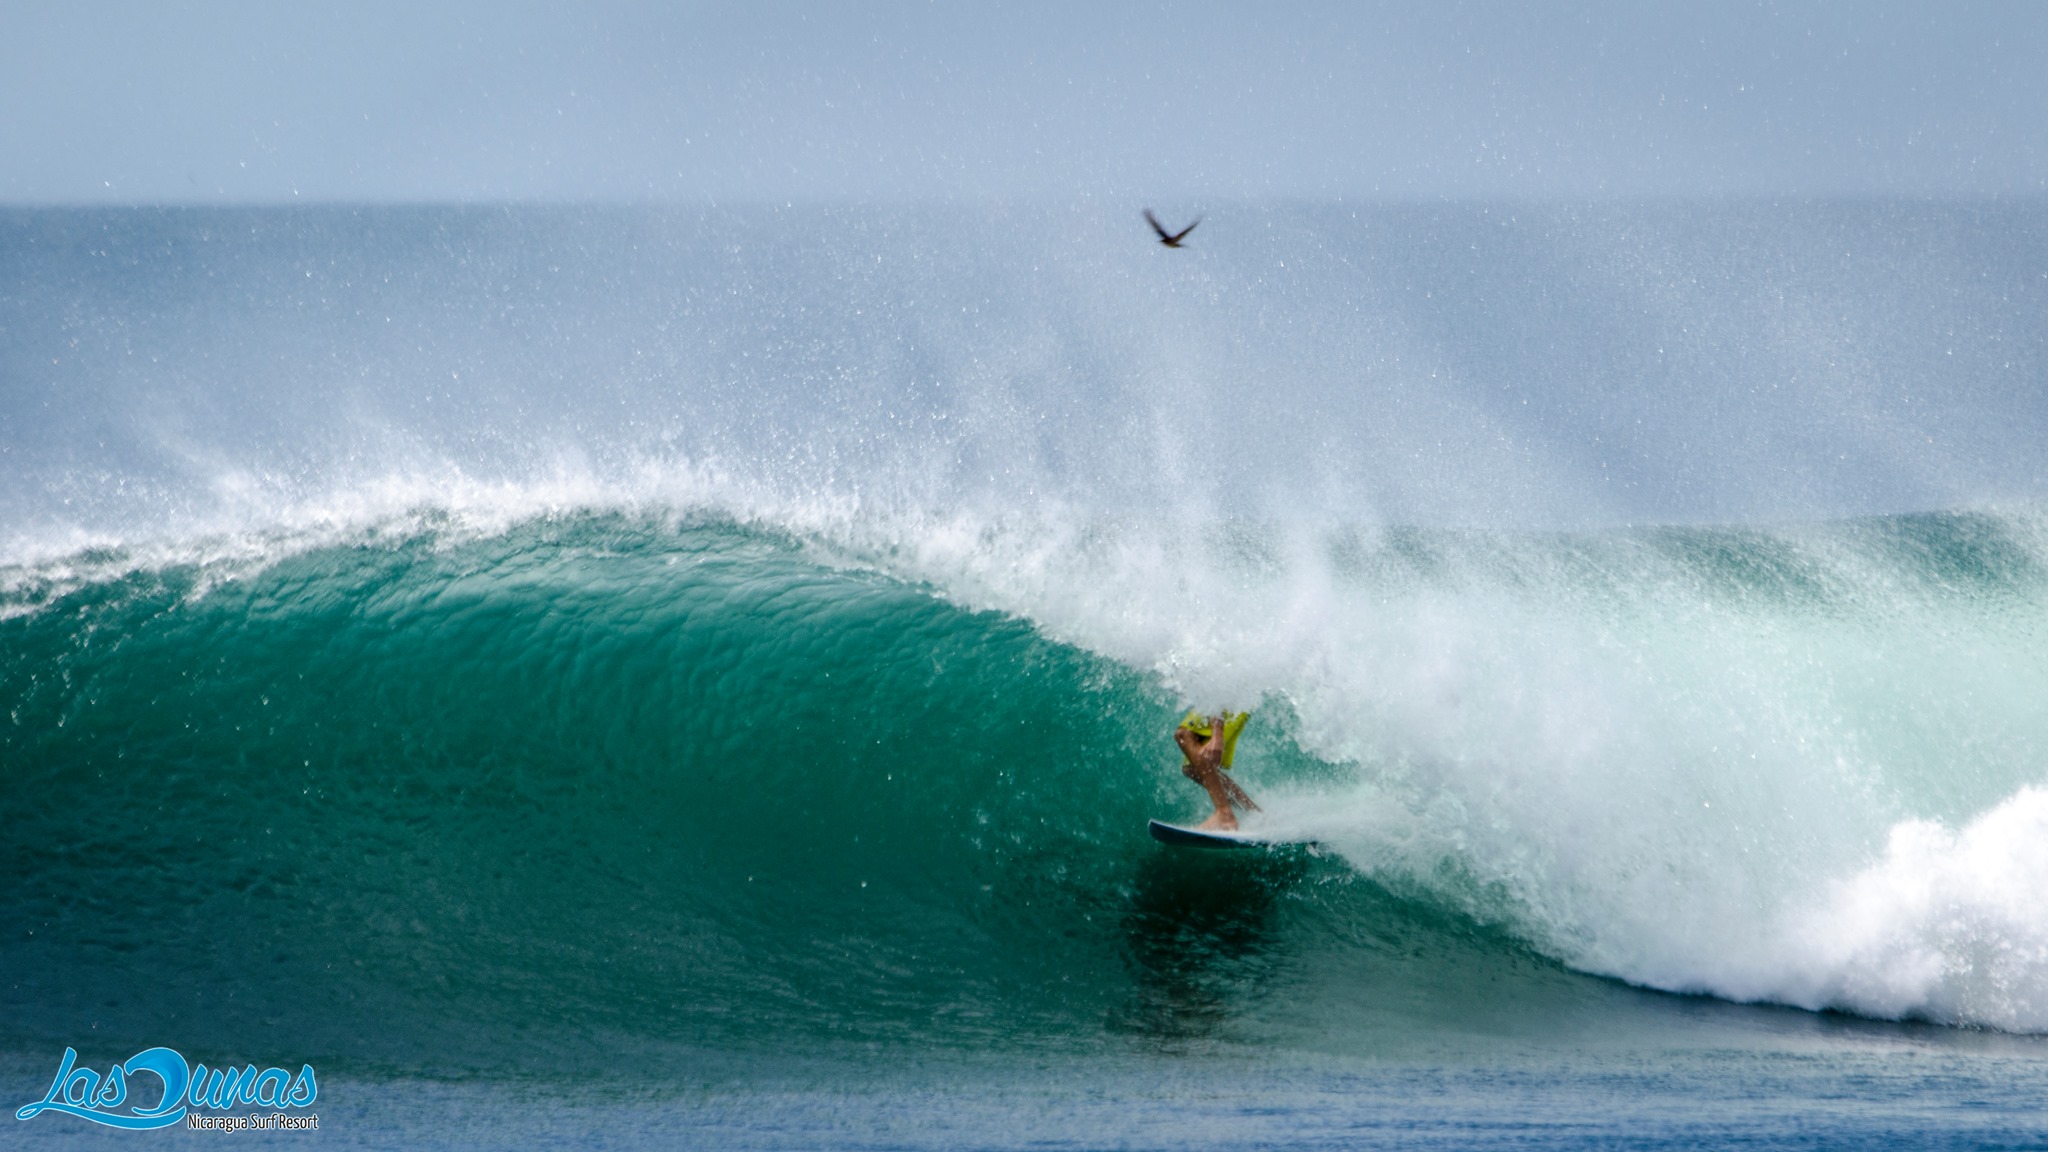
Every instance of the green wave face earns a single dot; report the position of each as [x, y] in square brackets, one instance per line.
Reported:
[599, 777]
[604, 784]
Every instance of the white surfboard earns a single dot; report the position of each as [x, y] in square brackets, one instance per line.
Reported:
[1183, 836]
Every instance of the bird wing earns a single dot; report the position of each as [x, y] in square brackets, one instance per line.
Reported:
[1154, 222]
[1183, 232]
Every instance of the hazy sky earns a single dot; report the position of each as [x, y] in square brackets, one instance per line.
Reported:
[261, 102]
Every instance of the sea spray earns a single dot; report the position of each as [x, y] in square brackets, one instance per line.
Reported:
[761, 626]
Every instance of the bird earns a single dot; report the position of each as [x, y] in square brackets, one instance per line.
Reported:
[1170, 239]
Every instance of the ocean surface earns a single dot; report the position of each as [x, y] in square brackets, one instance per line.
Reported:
[657, 677]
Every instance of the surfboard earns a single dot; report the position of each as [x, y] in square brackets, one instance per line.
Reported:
[1182, 836]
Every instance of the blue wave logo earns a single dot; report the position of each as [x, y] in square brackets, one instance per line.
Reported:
[85, 1093]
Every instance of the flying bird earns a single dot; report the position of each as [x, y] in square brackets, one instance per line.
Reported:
[1170, 239]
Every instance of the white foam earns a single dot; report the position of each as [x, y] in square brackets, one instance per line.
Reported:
[1652, 770]
[1949, 925]
[249, 520]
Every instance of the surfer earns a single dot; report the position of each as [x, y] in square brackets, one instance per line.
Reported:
[1208, 742]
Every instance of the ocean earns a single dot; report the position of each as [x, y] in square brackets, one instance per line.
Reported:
[653, 677]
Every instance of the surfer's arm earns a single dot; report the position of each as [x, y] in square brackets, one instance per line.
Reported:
[1237, 794]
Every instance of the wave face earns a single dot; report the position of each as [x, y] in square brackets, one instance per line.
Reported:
[684, 778]
[429, 636]
[593, 771]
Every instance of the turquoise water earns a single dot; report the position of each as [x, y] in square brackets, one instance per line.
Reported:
[585, 783]
[759, 840]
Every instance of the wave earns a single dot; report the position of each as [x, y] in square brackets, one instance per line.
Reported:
[670, 773]
[763, 625]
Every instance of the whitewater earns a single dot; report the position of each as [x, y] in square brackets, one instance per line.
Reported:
[738, 630]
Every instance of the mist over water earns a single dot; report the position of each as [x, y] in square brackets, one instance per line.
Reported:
[1654, 590]
[1460, 365]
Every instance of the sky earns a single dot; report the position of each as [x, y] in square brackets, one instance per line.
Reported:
[251, 103]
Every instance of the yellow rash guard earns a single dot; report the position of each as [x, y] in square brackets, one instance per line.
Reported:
[1233, 723]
